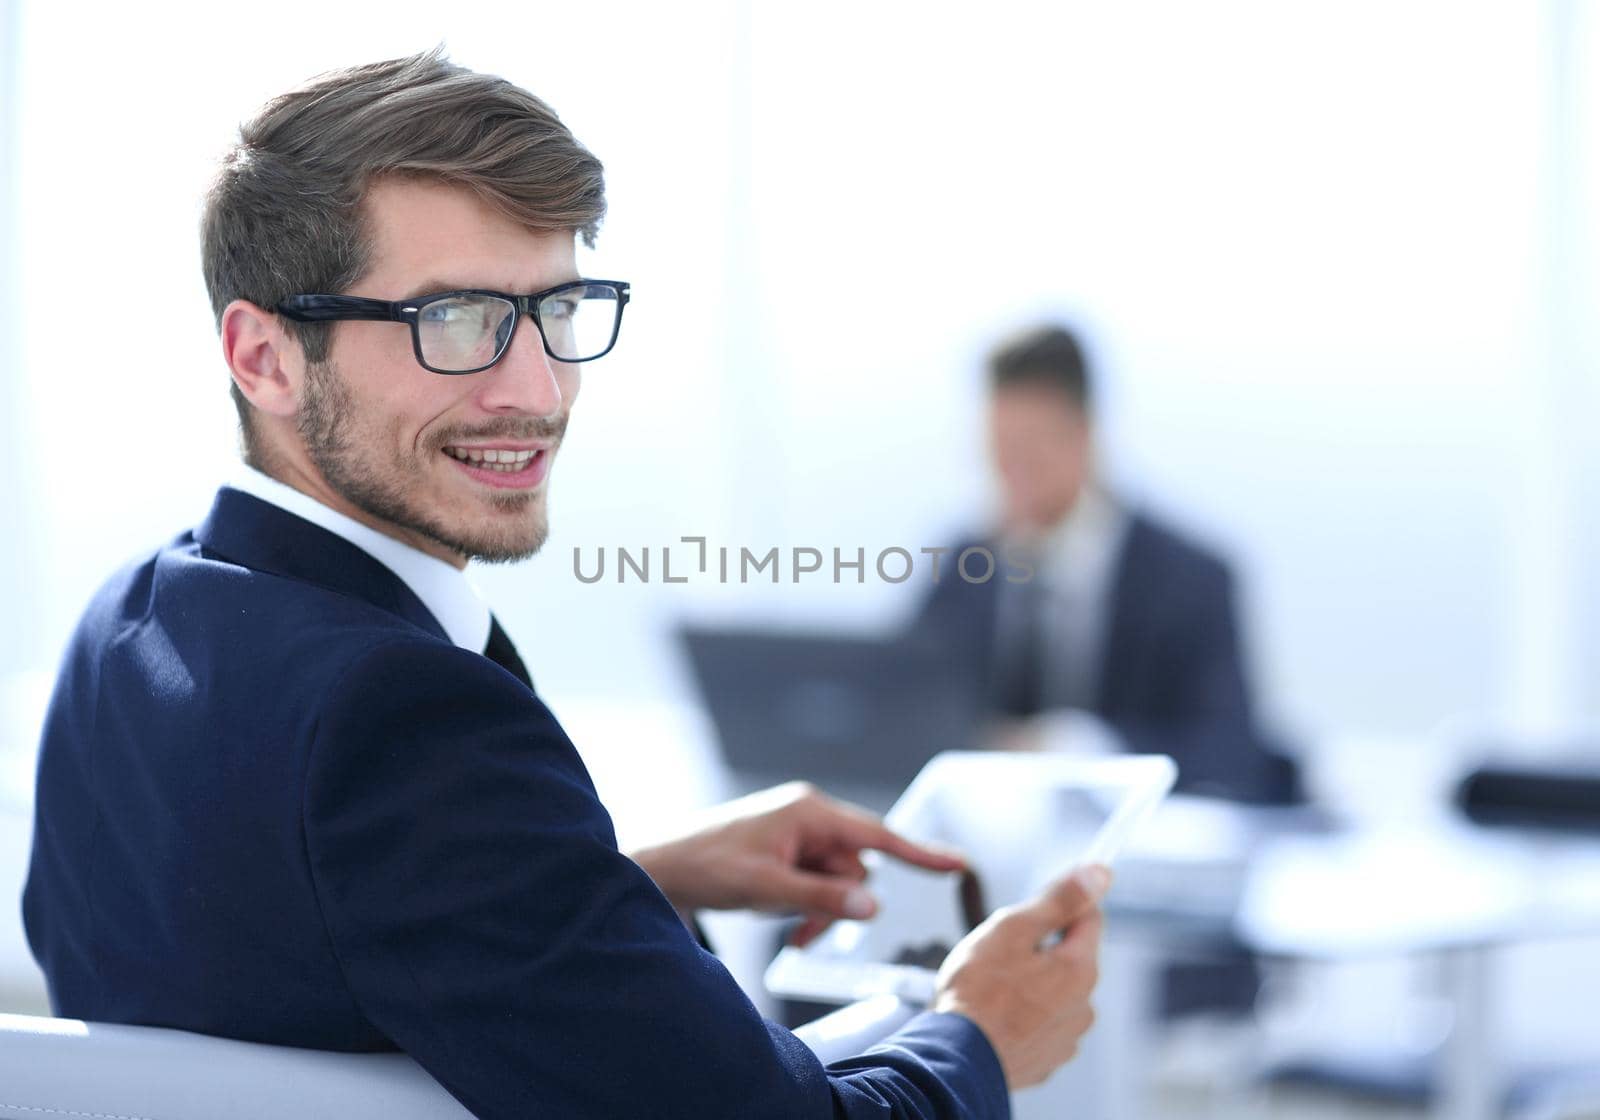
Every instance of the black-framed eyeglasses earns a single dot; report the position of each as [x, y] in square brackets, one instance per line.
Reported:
[470, 330]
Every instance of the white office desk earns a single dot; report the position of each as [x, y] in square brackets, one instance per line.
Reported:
[1433, 887]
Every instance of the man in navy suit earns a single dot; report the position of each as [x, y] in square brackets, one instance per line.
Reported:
[1092, 605]
[295, 784]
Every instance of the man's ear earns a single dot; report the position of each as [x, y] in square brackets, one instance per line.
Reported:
[268, 365]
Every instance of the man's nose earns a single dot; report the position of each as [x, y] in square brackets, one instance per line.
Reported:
[524, 379]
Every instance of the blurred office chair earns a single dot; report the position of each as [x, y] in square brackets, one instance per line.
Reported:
[1553, 793]
[66, 1067]
[1558, 795]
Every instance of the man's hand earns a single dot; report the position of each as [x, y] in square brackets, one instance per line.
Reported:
[788, 849]
[1027, 990]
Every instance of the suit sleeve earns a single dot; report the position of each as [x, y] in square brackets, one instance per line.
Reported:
[957, 618]
[1210, 724]
[472, 891]
[951, 605]
[1213, 684]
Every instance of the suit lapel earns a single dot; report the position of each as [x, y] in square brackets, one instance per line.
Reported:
[259, 535]
[1125, 619]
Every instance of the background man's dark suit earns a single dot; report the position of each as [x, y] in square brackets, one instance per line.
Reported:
[1169, 680]
[1169, 675]
[276, 803]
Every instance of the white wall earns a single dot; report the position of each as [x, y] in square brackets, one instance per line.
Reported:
[15, 499]
[1309, 243]
[1314, 244]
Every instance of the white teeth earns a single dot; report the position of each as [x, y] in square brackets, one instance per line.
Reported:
[493, 458]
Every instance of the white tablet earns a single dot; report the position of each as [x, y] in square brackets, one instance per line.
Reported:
[1021, 819]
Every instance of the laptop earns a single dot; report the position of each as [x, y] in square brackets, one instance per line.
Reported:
[859, 716]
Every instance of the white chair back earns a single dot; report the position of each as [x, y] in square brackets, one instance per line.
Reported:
[69, 1068]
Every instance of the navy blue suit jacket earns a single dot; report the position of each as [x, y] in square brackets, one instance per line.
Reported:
[1170, 676]
[276, 803]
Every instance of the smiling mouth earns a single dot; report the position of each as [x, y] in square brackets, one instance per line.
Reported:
[502, 460]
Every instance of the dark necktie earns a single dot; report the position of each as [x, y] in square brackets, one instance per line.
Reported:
[1022, 682]
[504, 654]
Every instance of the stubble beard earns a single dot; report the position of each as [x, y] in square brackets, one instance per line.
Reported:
[326, 424]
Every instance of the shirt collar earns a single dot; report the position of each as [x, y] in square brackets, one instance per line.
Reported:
[443, 588]
[1090, 528]
[1078, 551]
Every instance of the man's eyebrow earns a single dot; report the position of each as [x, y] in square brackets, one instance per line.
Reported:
[434, 287]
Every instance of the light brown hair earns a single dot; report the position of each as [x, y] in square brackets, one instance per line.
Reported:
[284, 214]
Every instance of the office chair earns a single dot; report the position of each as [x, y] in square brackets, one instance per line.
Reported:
[69, 1069]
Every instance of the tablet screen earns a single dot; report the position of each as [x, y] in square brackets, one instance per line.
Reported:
[1021, 820]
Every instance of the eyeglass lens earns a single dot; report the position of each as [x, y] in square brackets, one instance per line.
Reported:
[470, 331]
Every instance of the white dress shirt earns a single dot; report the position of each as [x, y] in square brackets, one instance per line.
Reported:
[443, 588]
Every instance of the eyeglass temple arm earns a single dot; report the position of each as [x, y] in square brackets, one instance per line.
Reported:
[322, 308]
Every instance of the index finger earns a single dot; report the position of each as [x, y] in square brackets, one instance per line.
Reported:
[869, 832]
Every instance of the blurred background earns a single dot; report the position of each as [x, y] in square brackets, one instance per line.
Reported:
[1336, 264]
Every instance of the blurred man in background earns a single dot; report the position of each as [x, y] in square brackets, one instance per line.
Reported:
[1120, 616]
